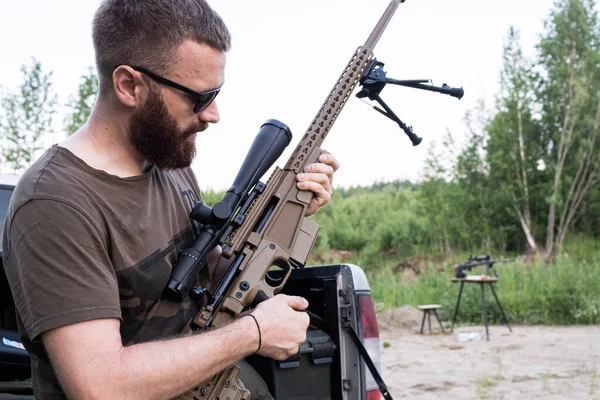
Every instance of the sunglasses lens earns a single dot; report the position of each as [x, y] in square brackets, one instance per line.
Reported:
[205, 100]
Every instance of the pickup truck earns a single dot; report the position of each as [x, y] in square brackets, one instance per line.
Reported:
[329, 364]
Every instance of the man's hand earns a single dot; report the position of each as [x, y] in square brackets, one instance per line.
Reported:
[318, 178]
[282, 325]
[217, 265]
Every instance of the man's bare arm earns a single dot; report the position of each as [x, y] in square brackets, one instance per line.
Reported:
[92, 363]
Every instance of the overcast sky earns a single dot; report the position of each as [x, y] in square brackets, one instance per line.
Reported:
[287, 55]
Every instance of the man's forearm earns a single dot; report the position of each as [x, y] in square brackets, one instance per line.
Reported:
[160, 370]
[167, 368]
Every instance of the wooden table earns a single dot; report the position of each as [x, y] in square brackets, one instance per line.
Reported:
[481, 280]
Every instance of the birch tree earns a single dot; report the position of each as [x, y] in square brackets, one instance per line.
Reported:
[569, 93]
[26, 118]
[514, 145]
[81, 104]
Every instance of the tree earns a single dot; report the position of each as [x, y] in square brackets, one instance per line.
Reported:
[25, 117]
[436, 196]
[570, 97]
[472, 176]
[81, 105]
[515, 144]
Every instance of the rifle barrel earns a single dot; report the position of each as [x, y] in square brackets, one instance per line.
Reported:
[382, 24]
[337, 97]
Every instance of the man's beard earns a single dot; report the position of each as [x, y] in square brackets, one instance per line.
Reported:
[157, 138]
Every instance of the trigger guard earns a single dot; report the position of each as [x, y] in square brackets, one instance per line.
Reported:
[275, 282]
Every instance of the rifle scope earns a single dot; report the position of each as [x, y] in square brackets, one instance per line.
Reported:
[269, 143]
[483, 257]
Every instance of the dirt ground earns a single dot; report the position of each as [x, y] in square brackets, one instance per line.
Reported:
[532, 362]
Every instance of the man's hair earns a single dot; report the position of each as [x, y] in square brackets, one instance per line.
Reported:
[148, 32]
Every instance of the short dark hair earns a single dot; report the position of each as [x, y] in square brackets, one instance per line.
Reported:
[148, 32]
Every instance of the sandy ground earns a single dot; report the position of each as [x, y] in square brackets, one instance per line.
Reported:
[532, 362]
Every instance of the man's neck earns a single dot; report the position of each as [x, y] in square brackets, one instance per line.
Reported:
[103, 143]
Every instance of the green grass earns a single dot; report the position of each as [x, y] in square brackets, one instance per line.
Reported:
[483, 384]
[546, 380]
[564, 292]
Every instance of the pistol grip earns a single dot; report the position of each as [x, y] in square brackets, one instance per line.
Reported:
[259, 298]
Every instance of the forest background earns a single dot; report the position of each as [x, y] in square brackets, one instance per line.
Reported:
[523, 183]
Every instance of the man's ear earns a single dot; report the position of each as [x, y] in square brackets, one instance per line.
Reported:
[128, 85]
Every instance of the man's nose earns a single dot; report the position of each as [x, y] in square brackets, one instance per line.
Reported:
[210, 113]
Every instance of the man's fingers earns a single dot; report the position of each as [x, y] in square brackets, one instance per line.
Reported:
[320, 168]
[306, 322]
[322, 195]
[320, 198]
[213, 259]
[329, 160]
[214, 254]
[318, 178]
[297, 303]
[323, 179]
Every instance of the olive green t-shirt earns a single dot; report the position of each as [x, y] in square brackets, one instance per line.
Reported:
[81, 244]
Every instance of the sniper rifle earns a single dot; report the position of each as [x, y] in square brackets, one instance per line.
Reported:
[262, 225]
[476, 261]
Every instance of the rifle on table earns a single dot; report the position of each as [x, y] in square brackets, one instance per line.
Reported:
[476, 261]
[262, 225]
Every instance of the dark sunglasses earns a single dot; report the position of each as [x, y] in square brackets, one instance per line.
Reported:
[203, 99]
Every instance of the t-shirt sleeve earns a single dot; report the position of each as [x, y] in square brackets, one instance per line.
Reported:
[59, 267]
